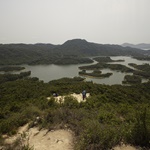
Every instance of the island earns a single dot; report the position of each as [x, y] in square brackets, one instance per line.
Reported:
[147, 58]
[95, 74]
[132, 79]
[117, 67]
[141, 70]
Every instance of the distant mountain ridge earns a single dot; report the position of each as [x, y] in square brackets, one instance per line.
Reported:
[143, 46]
[85, 48]
[69, 52]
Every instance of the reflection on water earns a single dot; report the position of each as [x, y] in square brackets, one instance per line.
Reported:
[52, 72]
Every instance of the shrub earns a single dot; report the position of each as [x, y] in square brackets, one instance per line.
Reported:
[70, 102]
[140, 133]
[97, 137]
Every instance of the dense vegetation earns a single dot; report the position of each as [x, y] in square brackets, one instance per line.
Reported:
[142, 70]
[12, 77]
[97, 66]
[143, 67]
[11, 68]
[105, 59]
[12, 54]
[113, 114]
[143, 58]
[131, 79]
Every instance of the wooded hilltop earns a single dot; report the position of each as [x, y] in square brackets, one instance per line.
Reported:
[71, 52]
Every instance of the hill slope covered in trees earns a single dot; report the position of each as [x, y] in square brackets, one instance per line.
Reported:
[110, 116]
[72, 51]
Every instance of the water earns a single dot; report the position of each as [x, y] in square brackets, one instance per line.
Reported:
[52, 72]
[117, 76]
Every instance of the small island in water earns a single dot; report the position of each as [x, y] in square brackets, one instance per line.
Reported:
[102, 64]
[132, 79]
[94, 74]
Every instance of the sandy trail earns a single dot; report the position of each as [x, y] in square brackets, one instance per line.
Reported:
[78, 97]
[44, 139]
[124, 147]
[53, 140]
[12, 139]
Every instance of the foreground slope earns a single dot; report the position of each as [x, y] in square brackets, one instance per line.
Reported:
[110, 116]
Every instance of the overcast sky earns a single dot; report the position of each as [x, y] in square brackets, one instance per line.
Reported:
[55, 21]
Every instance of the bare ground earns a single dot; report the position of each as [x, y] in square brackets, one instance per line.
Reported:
[53, 140]
[124, 147]
[78, 97]
[43, 139]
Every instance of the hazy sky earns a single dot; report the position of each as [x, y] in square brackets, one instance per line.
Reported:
[55, 21]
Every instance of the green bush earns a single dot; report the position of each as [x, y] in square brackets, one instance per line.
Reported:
[95, 136]
[51, 102]
[112, 114]
[70, 102]
[140, 133]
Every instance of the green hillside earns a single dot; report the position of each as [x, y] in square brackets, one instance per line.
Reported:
[54, 54]
[110, 116]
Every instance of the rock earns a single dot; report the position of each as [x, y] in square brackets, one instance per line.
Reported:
[60, 142]
[37, 118]
[5, 136]
[35, 123]
[2, 148]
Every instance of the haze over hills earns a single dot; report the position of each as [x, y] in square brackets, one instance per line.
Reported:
[71, 52]
[143, 46]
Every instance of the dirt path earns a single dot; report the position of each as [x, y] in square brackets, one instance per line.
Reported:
[53, 140]
[44, 139]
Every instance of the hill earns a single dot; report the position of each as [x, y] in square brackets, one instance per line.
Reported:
[111, 115]
[143, 46]
[84, 48]
[72, 51]
[23, 53]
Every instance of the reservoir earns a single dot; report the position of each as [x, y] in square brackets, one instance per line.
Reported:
[53, 72]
